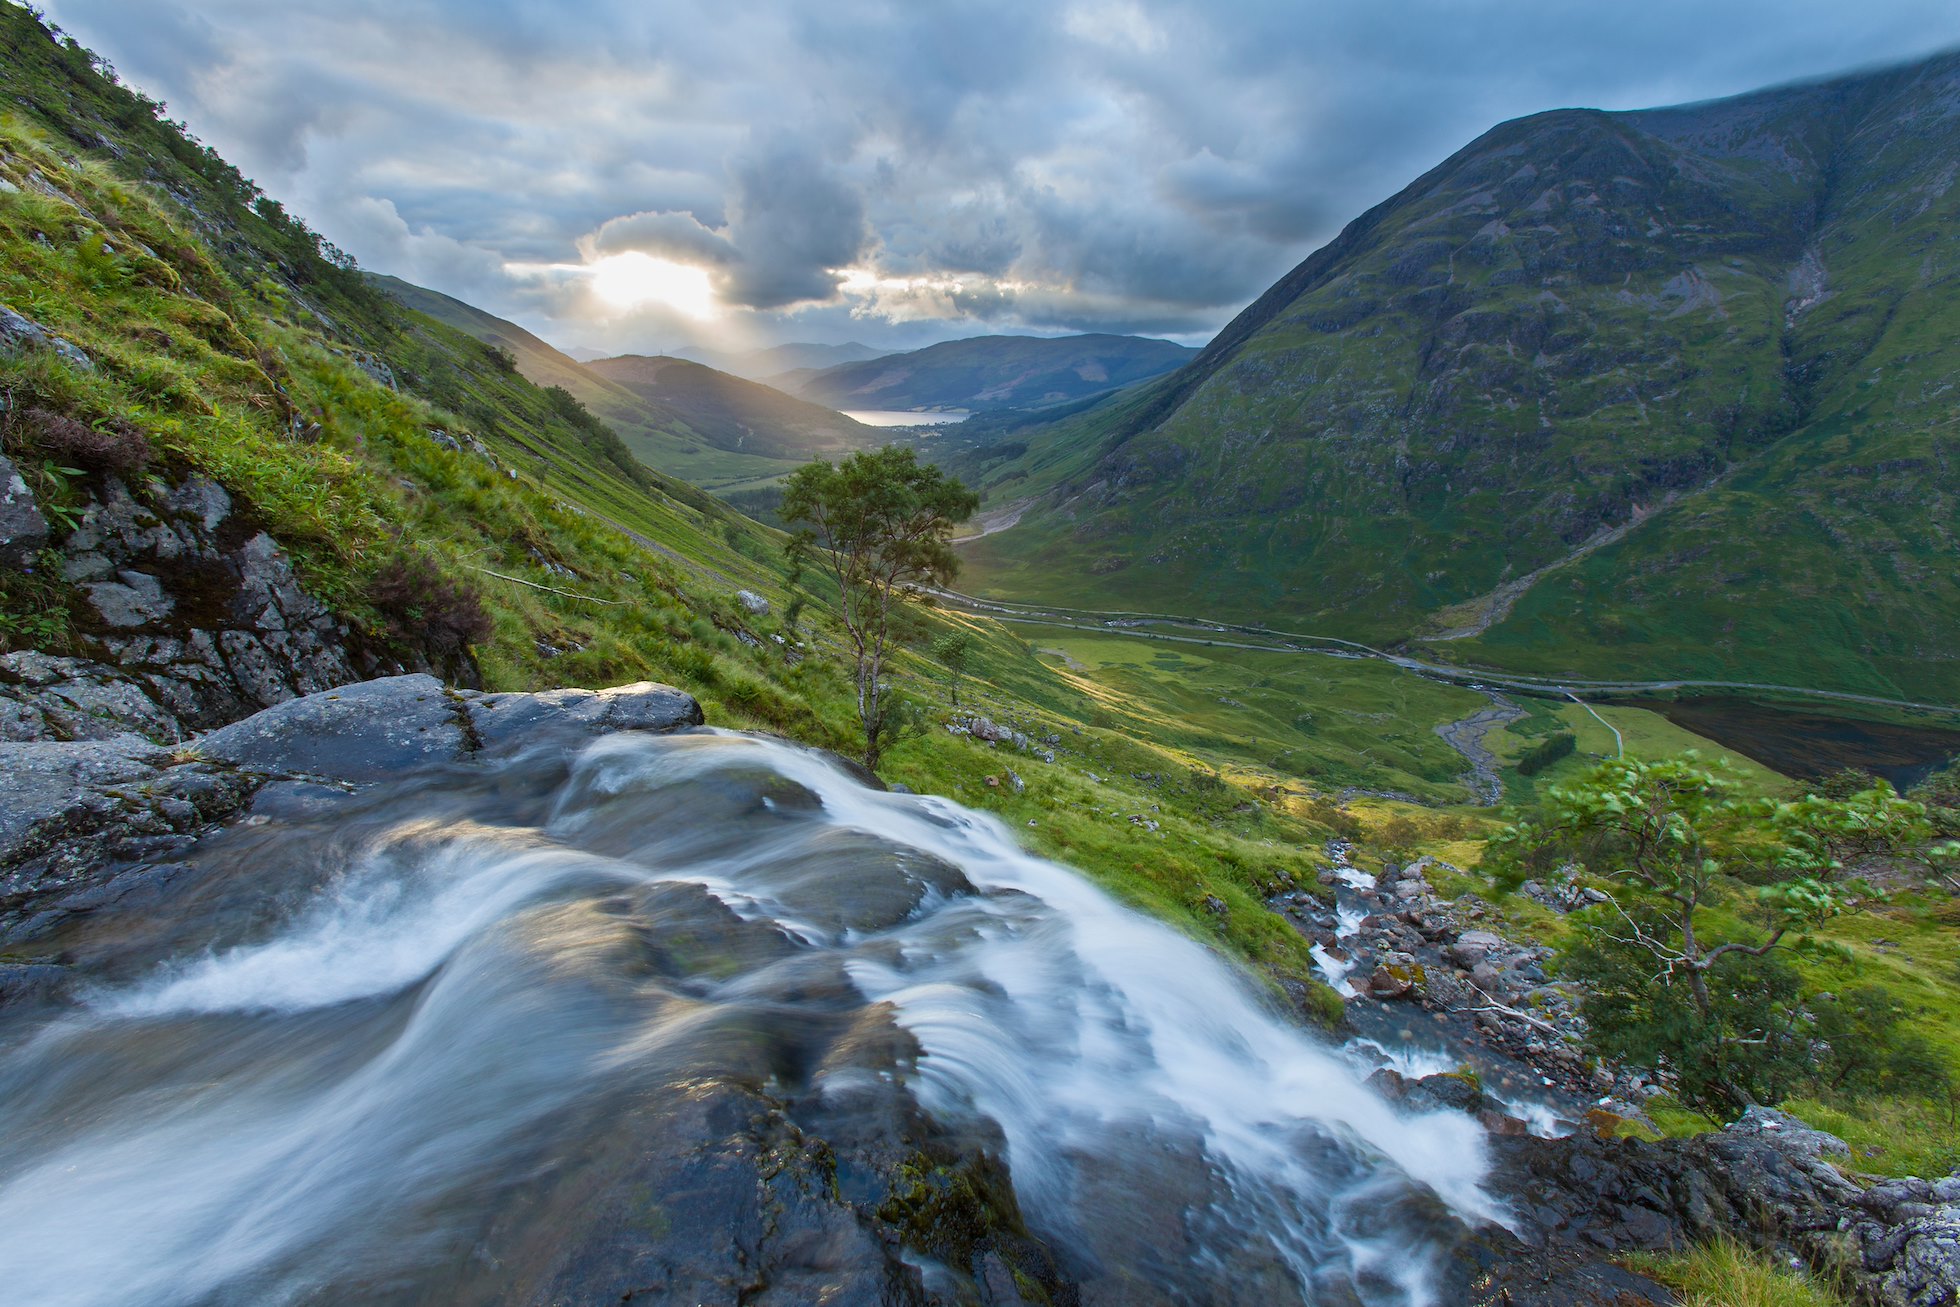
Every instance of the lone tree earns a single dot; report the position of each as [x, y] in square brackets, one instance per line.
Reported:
[952, 650]
[1683, 970]
[879, 522]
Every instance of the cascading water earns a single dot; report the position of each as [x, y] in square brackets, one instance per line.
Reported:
[385, 1042]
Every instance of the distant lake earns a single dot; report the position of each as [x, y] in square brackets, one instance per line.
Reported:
[892, 417]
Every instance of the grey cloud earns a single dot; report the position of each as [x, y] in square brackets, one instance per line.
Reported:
[1030, 165]
[792, 221]
[678, 236]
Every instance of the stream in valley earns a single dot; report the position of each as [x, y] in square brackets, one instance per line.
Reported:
[466, 1036]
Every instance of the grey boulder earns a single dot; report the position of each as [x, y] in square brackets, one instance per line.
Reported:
[505, 721]
[361, 732]
[18, 330]
[377, 729]
[48, 782]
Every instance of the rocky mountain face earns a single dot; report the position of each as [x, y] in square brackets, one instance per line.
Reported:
[1663, 393]
[993, 372]
[194, 618]
[187, 612]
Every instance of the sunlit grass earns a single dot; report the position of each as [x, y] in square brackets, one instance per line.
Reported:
[1724, 1273]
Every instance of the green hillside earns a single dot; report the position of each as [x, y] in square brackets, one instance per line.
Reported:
[994, 372]
[1664, 393]
[714, 431]
[737, 416]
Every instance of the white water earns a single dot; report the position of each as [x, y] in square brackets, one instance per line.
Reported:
[1347, 924]
[341, 1093]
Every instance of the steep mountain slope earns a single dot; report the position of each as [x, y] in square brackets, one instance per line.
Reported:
[775, 360]
[742, 417]
[1663, 393]
[714, 430]
[994, 372]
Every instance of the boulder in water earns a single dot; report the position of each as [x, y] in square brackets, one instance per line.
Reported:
[506, 720]
[363, 732]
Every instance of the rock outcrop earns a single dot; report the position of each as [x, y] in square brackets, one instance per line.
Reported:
[1767, 1178]
[189, 615]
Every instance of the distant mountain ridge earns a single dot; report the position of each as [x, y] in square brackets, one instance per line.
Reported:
[737, 415]
[775, 360]
[1663, 392]
[993, 372]
[687, 420]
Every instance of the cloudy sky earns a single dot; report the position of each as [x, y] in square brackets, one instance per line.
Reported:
[632, 174]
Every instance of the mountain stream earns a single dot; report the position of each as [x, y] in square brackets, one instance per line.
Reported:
[369, 1054]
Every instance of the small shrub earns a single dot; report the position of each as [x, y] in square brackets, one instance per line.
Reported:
[420, 607]
[34, 606]
[1842, 783]
[1400, 834]
[114, 446]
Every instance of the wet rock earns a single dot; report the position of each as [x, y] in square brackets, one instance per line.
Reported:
[1443, 1093]
[71, 810]
[1391, 981]
[362, 732]
[24, 983]
[501, 721]
[23, 529]
[77, 816]
[1501, 1124]
[49, 782]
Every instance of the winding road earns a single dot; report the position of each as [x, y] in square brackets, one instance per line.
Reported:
[1466, 736]
[1134, 623]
